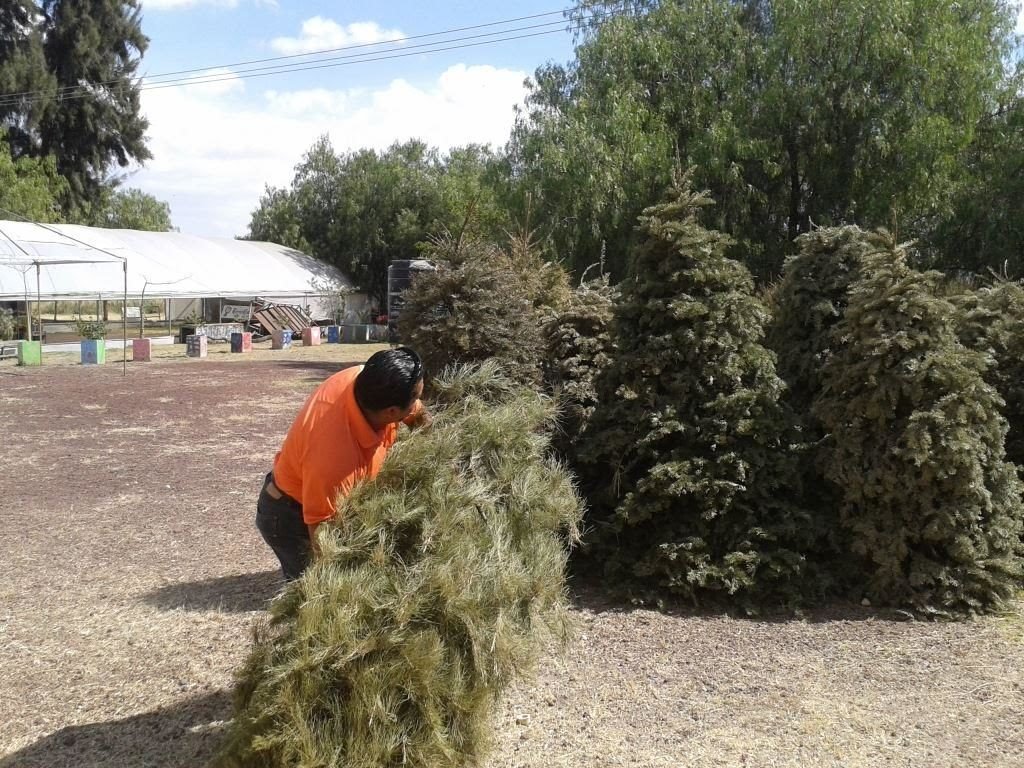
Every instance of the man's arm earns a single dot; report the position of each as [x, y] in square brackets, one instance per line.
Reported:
[313, 545]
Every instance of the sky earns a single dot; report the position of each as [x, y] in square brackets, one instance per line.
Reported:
[216, 145]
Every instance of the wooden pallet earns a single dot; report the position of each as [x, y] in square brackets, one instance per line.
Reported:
[278, 317]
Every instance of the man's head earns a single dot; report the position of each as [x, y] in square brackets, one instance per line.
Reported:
[389, 385]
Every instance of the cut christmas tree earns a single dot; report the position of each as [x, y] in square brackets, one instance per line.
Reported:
[930, 504]
[433, 592]
[689, 435]
[579, 346]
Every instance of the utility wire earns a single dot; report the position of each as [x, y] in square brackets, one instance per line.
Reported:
[150, 82]
[85, 92]
[396, 40]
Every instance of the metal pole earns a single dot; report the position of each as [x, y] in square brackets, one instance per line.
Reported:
[124, 323]
[39, 306]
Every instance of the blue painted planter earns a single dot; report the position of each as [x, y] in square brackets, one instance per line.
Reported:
[94, 351]
[334, 334]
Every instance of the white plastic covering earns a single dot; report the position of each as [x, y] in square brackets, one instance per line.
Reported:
[175, 265]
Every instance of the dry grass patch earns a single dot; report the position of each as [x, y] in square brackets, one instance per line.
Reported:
[128, 589]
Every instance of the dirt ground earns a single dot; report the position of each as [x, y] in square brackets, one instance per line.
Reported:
[130, 574]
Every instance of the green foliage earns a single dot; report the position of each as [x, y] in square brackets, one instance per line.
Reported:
[130, 209]
[276, 220]
[91, 329]
[358, 211]
[25, 81]
[482, 302]
[792, 112]
[29, 187]
[436, 583]
[578, 347]
[690, 439]
[809, 302]
[985, 229]
[6, 324]
[992, 322]
[362, 210]
[931, 507]
[93, 48]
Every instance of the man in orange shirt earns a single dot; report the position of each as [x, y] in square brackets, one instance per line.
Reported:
[340, 437]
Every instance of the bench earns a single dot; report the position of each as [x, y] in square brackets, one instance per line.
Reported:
[8, 349]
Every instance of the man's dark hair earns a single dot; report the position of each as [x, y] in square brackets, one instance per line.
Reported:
[388, 379]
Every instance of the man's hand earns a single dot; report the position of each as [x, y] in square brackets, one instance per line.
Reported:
[419, 419]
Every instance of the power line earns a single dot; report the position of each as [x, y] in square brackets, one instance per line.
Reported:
[364, 45]
[354, 57]
[302, 67]
[149, 82]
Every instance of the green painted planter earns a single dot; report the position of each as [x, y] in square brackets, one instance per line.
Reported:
[30, 353]
[94, 351]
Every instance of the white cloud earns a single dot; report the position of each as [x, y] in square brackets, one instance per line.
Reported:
[320, 34]
[1020, 20]
[214, 150]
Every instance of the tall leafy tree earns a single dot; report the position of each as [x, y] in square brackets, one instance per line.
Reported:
[93, 126]
[985, 229]
[361, 210]
[29, 187]
[132, 209]
[276, 220]
[793, 112]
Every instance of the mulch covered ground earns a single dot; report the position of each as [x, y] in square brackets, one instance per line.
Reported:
[130, 574]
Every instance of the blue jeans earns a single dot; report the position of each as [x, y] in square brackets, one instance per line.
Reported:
[280, 523]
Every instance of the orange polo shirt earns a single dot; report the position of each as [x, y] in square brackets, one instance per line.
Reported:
[330, 447]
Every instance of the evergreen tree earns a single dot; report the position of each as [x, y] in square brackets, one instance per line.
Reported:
[807, 304]
[690, 434]
[481, 302]
[25, 82]
[992, 322]
[93, 48]
[432, 592]
[578, 346]
[930, 504]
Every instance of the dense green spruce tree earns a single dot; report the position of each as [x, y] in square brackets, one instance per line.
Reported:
[434, 591]
[930, 504]
[93, 48]
[807, 304]
[690, 434]
[992, 322]
[578, 346]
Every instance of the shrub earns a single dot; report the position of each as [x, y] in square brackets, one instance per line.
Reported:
[91, 329]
